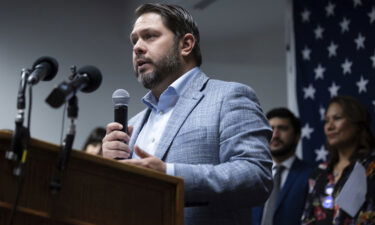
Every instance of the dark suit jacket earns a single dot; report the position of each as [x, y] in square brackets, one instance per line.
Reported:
[291, 201]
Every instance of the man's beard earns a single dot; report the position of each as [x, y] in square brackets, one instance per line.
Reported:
[169, 65]
[285, 150]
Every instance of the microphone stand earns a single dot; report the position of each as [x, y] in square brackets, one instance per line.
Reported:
[66, 148]
[20, 139]
[21, 135]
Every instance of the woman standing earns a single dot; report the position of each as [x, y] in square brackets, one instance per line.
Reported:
[351, 144]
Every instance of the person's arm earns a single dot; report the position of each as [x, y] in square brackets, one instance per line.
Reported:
[244, 178]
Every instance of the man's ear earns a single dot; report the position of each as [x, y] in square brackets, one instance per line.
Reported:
[187, 44]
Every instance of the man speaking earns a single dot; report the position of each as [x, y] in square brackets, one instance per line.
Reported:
[211, 133]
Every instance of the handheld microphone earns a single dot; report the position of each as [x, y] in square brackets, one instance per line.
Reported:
[88, 80]
[44, 68]
[120, 99]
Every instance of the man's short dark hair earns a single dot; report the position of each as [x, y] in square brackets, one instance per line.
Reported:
[178, 20]
[285, 113]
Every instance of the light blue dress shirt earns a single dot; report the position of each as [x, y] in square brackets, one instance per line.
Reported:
[152, 132]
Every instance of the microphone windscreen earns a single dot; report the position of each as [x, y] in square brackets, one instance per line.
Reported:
[95, 78]
[120, 97]
[51, 65]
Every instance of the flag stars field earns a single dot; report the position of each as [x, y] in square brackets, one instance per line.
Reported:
[334, 54]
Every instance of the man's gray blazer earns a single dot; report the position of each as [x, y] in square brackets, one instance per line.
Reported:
[217, 138]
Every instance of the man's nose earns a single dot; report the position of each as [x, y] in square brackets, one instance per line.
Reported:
[139, 48]
[276, 133]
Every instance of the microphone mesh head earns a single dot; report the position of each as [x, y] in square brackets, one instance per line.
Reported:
[51, 64]
[94, 75]
[120, 97]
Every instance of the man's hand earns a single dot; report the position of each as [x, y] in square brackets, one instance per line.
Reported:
[146, 160]
[115, 142]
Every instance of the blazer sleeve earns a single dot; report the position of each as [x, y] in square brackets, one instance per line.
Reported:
[243, 177]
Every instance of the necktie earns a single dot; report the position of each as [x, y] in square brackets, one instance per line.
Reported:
[270, 206]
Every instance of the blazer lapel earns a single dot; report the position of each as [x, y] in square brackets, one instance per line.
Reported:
[186, 103]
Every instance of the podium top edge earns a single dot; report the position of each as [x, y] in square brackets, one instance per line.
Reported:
[6, 135]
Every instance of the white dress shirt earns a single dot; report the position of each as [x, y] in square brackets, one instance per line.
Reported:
[287, 165]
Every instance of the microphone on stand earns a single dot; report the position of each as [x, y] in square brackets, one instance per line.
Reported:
[87, 80]
[44, 68]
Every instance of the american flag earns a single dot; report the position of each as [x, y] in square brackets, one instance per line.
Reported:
[334, 50]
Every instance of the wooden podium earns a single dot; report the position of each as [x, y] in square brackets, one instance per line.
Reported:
[94, 190]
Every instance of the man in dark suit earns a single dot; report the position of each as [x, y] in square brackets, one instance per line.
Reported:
[287, 200]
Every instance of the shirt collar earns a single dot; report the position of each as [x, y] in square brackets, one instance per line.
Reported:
[286, 163]
[170, 96]
[180, 84]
